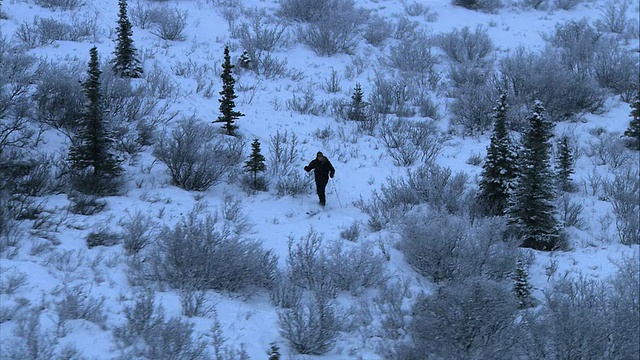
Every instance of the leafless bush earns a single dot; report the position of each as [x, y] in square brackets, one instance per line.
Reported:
[31, 341]
[409, 141]
[138, 231]
[204, 254]
[536, 4]
[307, 10]
[196, 157]
[195, 302]
[84, 204]
[336, 31]
[625, 312]
[282, 160]
[285, 293]
[258, 37]
[482, 5]
[623, 192]
[448, 248]
[355, 268]
[377, 30]
[352, 232]
[141, 15]
[608, 149]
[464, 46]
[412, 56]
[392, 96]
[615, 68]
[613, 17]
[570, 212]
[391, 303]
[480, 318]
[102, 237]
[566, 4]
[61, 4]
[439, 187]
[76, 303]
[11, 281]
[311, 326]
[171, 25]
[58, 96]
[306, 104]
[148, 334]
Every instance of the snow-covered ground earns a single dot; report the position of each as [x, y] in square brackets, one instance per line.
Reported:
[362, 165]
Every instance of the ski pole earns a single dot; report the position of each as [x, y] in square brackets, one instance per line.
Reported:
[336, 191]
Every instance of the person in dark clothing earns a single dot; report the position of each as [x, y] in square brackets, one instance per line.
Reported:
[323, 170]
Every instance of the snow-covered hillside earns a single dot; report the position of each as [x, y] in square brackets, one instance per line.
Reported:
[63, 298]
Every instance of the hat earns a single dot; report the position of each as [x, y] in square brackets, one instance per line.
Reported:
[319, 153]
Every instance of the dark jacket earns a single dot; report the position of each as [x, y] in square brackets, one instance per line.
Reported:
[323, 169]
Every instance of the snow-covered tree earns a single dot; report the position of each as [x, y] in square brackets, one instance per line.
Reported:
[565, 165]
[500, 169]
[522, 287]
[228, 114]
[358, 105]
[255, 165]
[125, 63]
[532, 207]
[633, 131]
[95, 167]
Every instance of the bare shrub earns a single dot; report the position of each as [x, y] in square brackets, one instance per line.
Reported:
[448, 248]
[12, 280]
[377, 30]
[464, 46]
[355, 268]
[196, 156]
[102, 237]
[306, 104]
[623, 193]
[311, 326]
[147, 333]
[613, 17]
[615, 68]
[171, 25]
[352, 232]
[204, 254]
[625, 311]
[285, 293]
[307, 10]
[476, 318]
[61, 4]
[608, 149]
[566, 4]
[412, 56]
[482, 5]
[409, 141]
[392, 96]
[555, 330]
[439, 187]
[58, 96]
[336, 31]
[570, 212]
[76, 303]
[473, 98]
[84, 204]
[31, 341]
[282, 160]
[258, 36]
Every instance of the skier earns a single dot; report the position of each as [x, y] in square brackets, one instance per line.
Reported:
[323, 170]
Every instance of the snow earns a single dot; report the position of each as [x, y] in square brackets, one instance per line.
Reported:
[361, 167]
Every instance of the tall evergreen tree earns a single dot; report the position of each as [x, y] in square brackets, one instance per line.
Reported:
[228, 114]
[633, 131]
[125, 63]
[532, 207]
[255, 164]
[95, 168]
[500, 169]
[565, 163]
[358, 105]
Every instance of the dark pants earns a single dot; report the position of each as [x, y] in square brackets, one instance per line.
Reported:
[321, 184]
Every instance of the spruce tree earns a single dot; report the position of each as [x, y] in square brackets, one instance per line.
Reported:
[358, 105]
[565, 164]
[256, 164]
[94, 166]
[274, 352]
[499, 170]
[125, 63]
[522, 286]
[633, 131]
[228, 114]
[532, 207]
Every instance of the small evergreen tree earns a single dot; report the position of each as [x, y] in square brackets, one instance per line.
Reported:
[228, 114]
[245, 60]
[94, 166]
[358, 105]
[274, 352]
[532, 207]
[255, 165]
[633, 131]
[499, 170]
[565, 163]
[125, 63]
[522, 286]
